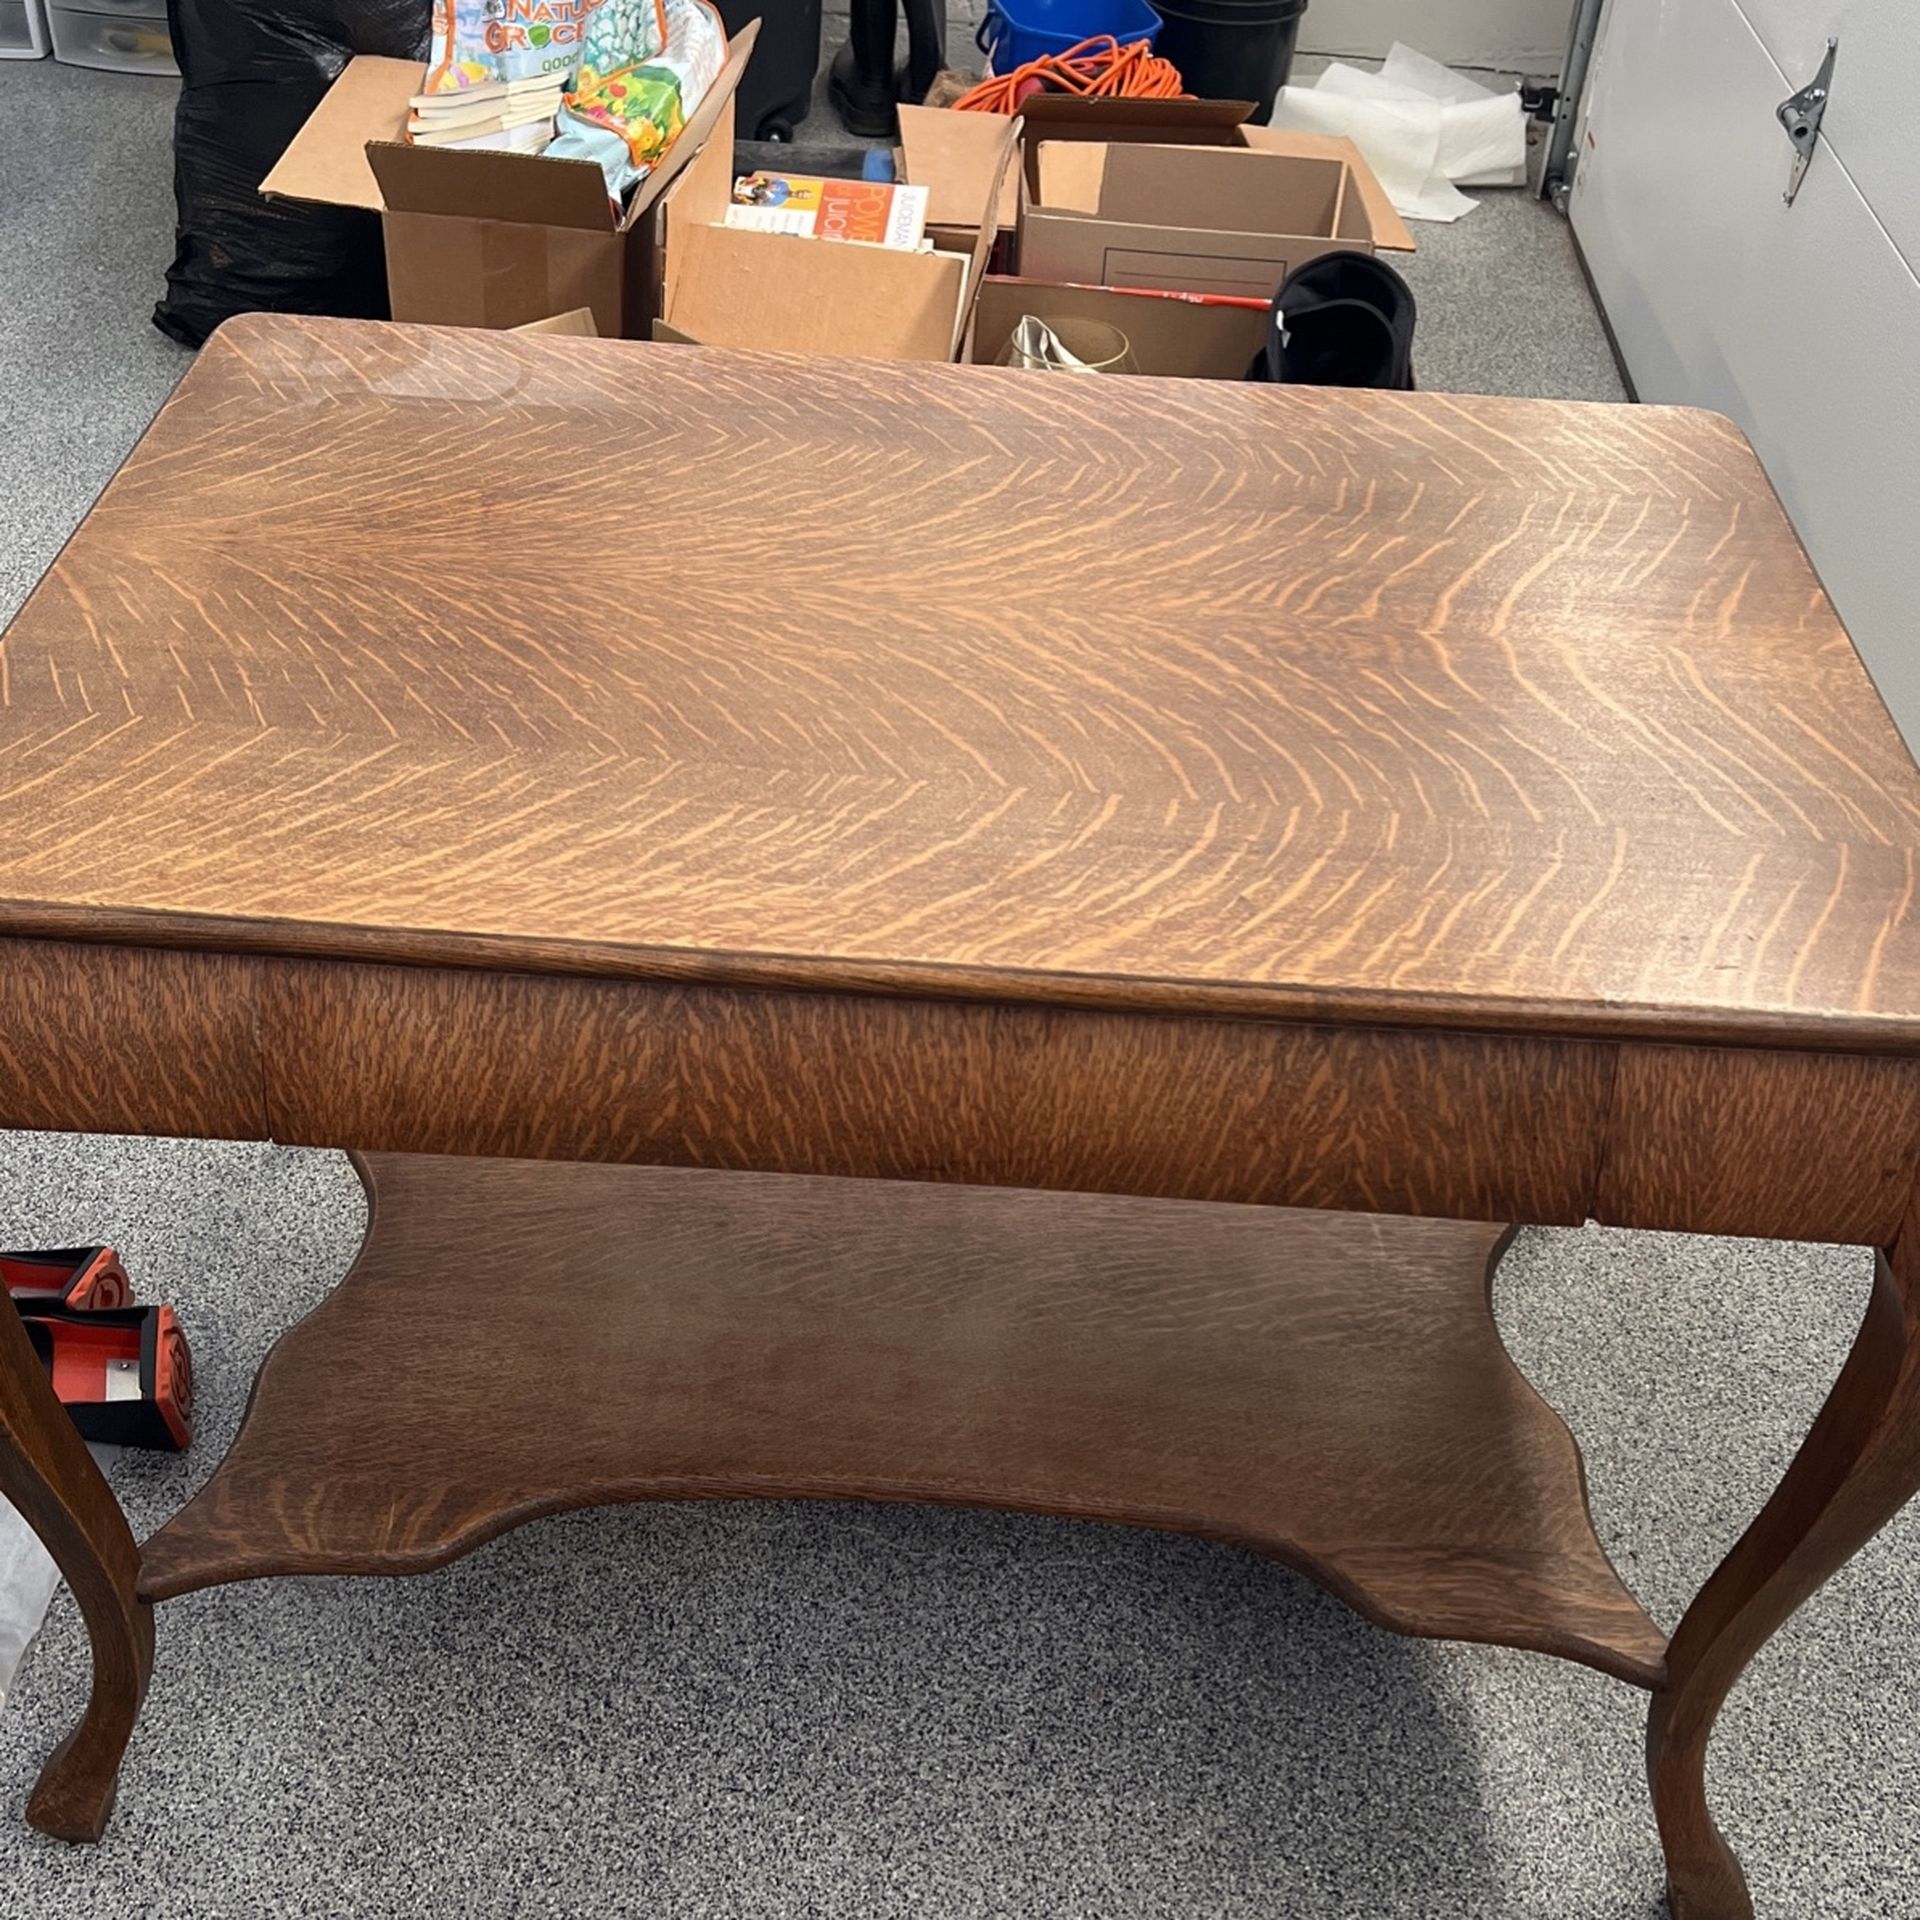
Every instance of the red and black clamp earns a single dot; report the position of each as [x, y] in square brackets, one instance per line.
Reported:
[122, 1371]
[81, 1279]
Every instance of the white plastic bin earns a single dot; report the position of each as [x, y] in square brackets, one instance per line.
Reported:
[121, 42]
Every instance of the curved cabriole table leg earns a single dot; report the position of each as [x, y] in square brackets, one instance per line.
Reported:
[1859, 1464]
[519, 1338]
[48, 1474]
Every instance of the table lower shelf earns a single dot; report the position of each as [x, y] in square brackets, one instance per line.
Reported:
[519, 1338]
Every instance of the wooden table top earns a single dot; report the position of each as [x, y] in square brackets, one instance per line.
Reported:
[566, 655]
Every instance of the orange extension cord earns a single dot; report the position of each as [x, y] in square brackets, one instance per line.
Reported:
[1097, 69]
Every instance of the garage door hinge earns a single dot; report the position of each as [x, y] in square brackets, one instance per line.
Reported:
[1800, 113]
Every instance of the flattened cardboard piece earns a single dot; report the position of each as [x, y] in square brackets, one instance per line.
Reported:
[327, 159]
[1388, 229]
[1171, 339]
[1254, 264]
[578, 324]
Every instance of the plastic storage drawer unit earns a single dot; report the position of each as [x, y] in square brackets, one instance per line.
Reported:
[124, 41]
[23, 30]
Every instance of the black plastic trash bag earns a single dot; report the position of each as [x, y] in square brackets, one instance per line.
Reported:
[251, 71]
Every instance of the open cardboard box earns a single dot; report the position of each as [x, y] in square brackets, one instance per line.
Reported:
[1176, 339]
[953, 154]
[1208, 219]
[476, 238]
[732, 287]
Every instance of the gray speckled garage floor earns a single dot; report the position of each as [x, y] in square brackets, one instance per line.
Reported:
[861, 1713]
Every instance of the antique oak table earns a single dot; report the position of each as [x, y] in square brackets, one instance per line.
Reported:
[1095, 801]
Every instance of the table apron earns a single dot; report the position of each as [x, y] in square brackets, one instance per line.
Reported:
[1452, 1124]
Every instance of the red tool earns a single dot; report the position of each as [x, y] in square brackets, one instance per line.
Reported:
[124, 1374]
[82, 1278]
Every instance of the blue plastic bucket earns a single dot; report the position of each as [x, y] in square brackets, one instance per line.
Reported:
[1016, 31]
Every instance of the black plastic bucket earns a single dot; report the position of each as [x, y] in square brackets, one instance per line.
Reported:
[1231, 49]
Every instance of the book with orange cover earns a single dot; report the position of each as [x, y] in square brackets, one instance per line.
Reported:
[873, 211]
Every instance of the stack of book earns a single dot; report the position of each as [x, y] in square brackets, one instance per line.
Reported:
[516, 115]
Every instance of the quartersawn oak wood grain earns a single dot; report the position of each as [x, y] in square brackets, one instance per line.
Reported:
[421, 1060]
[1177, 711]
[128, 1040]
[1773, 1145]
[1464, 1126]
[1327, 1388]
[1417, 709]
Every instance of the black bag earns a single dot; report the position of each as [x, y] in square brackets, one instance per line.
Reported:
[251, 71]
[1343, 320]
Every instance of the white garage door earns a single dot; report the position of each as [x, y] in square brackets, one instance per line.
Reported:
[1802, 322]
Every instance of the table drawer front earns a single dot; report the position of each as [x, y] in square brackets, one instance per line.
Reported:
[128, 1040]
[1696, 1139]
[442, 1061]
[1790, 1146]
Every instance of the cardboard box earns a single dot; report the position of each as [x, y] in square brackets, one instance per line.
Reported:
[1197, 219]
[953, 154]
[1175, 339]
[485, 239]
[732, 287]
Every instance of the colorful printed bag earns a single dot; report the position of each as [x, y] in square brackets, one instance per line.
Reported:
[645, 65]
[485, 43]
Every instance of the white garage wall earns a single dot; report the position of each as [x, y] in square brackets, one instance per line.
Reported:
[1516, 35]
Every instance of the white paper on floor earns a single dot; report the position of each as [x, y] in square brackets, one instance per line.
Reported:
[1424, 129]
[27, 1580]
